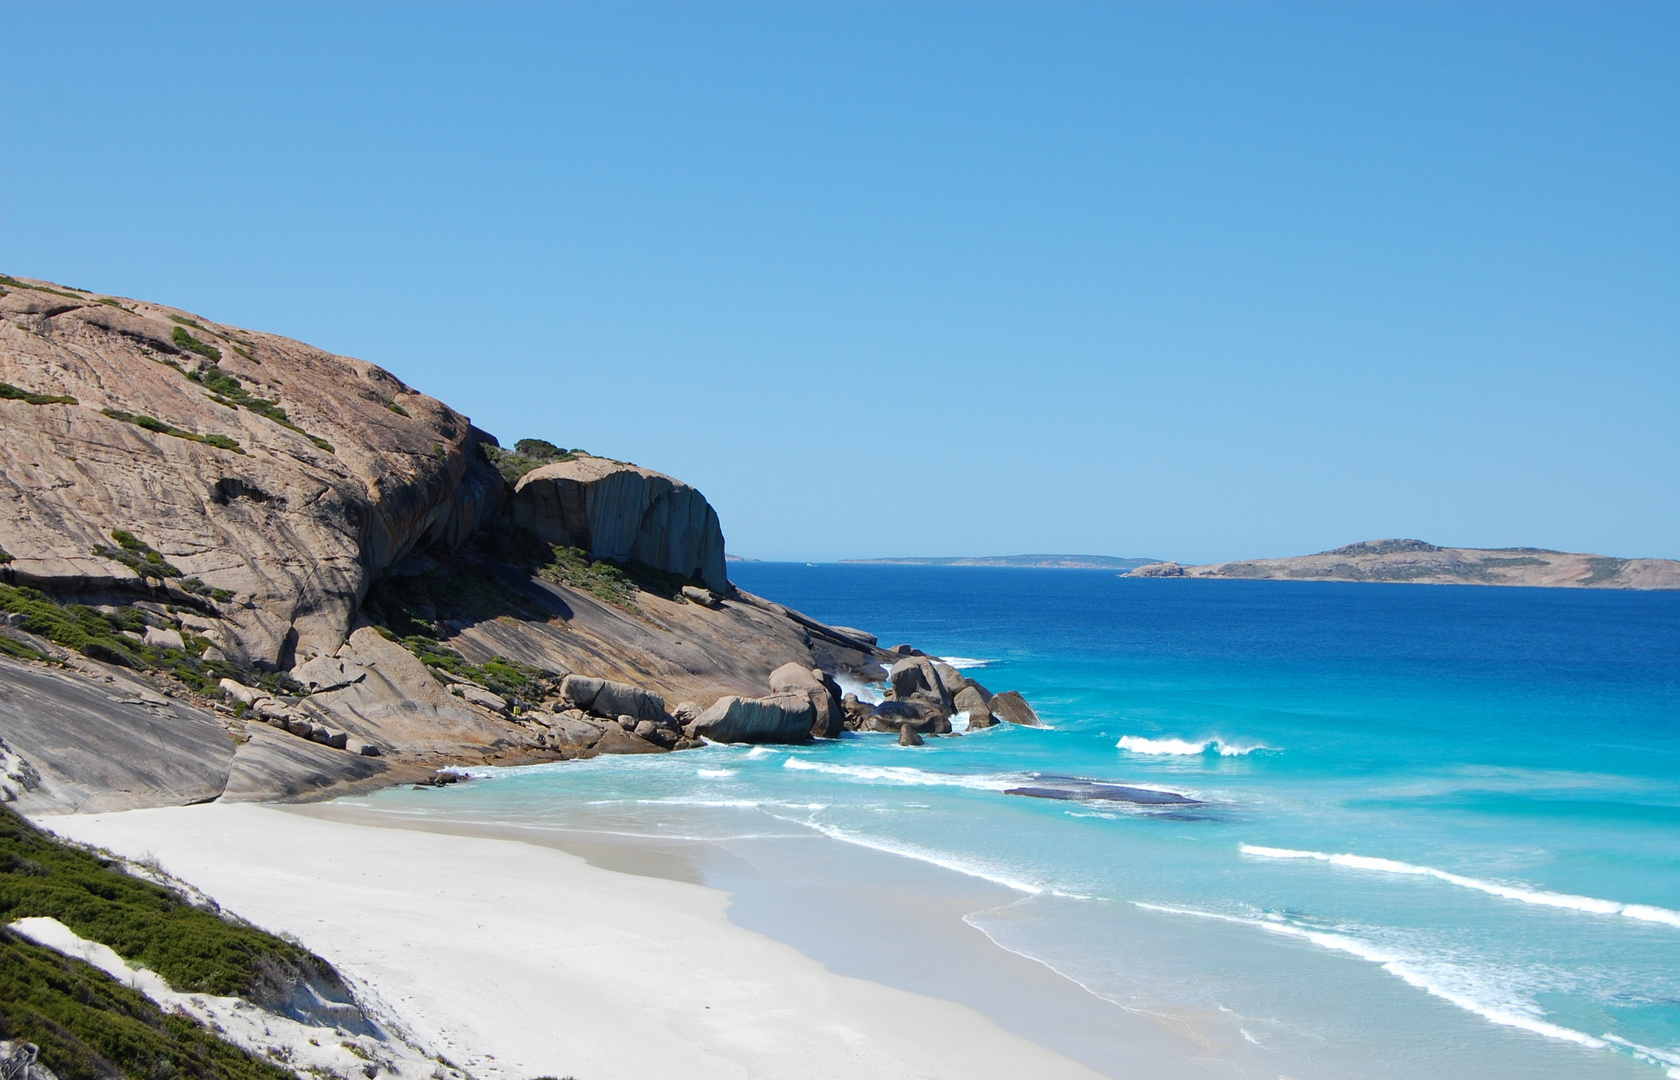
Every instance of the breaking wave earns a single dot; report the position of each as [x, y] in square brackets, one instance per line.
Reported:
[1541, 897]
[903, 774]
[1137, 744]
[1458, 987]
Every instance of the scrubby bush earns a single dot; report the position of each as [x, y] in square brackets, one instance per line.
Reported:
[12, 393]
[527, 454]
[186, 341]
[152, 423]
[88, 1026]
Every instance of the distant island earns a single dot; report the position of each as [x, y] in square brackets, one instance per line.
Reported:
[1031, 562]
[1423, 563]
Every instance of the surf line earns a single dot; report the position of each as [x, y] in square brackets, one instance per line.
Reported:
[1543, 898]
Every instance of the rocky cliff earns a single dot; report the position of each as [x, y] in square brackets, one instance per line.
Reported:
[1424, 563]
[261, 479]
[233, 565]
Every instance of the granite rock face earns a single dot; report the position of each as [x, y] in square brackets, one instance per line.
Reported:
[280, 474]
[624, 513]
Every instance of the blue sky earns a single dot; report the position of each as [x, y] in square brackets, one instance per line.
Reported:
[1193, 281]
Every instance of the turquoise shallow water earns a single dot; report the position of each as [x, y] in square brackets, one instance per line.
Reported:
[1438, 828]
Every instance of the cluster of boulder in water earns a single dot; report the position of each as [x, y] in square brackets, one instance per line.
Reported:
[924, 697]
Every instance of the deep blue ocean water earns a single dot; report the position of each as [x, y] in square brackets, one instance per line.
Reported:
[1438, 828]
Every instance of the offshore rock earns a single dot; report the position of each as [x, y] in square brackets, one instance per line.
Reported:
[624, 513]
[1012, 707]
[907, 736]
[914, 678]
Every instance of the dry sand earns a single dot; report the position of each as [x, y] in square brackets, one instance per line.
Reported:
[517, 961]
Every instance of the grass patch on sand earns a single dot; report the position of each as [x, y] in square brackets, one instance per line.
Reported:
[88, 1026]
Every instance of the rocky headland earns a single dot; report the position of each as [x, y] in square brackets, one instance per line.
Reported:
[234, 566]
[1422, 563]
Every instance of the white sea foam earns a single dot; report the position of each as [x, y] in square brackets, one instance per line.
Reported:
[1541, 897]
[961, 662]
[872, 693]
[920, 854]
[713, 774]
[1411, 970]
[910, 777]
[1137, 744]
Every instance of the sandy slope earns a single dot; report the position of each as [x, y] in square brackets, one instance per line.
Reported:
[516, 961]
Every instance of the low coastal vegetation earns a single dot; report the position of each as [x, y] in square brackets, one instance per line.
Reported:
[14, 283]
[90, 1027]
[421, 611]
[152, 423]
[186, 341]
[527, 454]
[148, 563]
[115, 635]
[12, 393]
[225, 390]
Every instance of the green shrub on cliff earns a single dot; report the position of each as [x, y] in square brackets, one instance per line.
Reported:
[138, 556]
[12, 393]
[527, 454]
[152, 423]
[415, 611]
[186, 341]
[99, 634]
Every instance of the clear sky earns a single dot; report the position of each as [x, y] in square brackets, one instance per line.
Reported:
[1190, 281]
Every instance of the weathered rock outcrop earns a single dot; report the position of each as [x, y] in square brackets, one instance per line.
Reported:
[626, 514]
[281, 475]
[318, 581]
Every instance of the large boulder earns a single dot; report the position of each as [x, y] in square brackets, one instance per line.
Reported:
[1012, 707]
[781, 718]
[620, 699]
[892, 715]
[603, 697]
[972, 700]
[914, 678]
[949, 677]
[820, 687]
[624, 513]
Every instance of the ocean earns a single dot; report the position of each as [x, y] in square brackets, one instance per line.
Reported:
[1435, 830]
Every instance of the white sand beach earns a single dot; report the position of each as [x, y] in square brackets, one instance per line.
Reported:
[516, 961]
